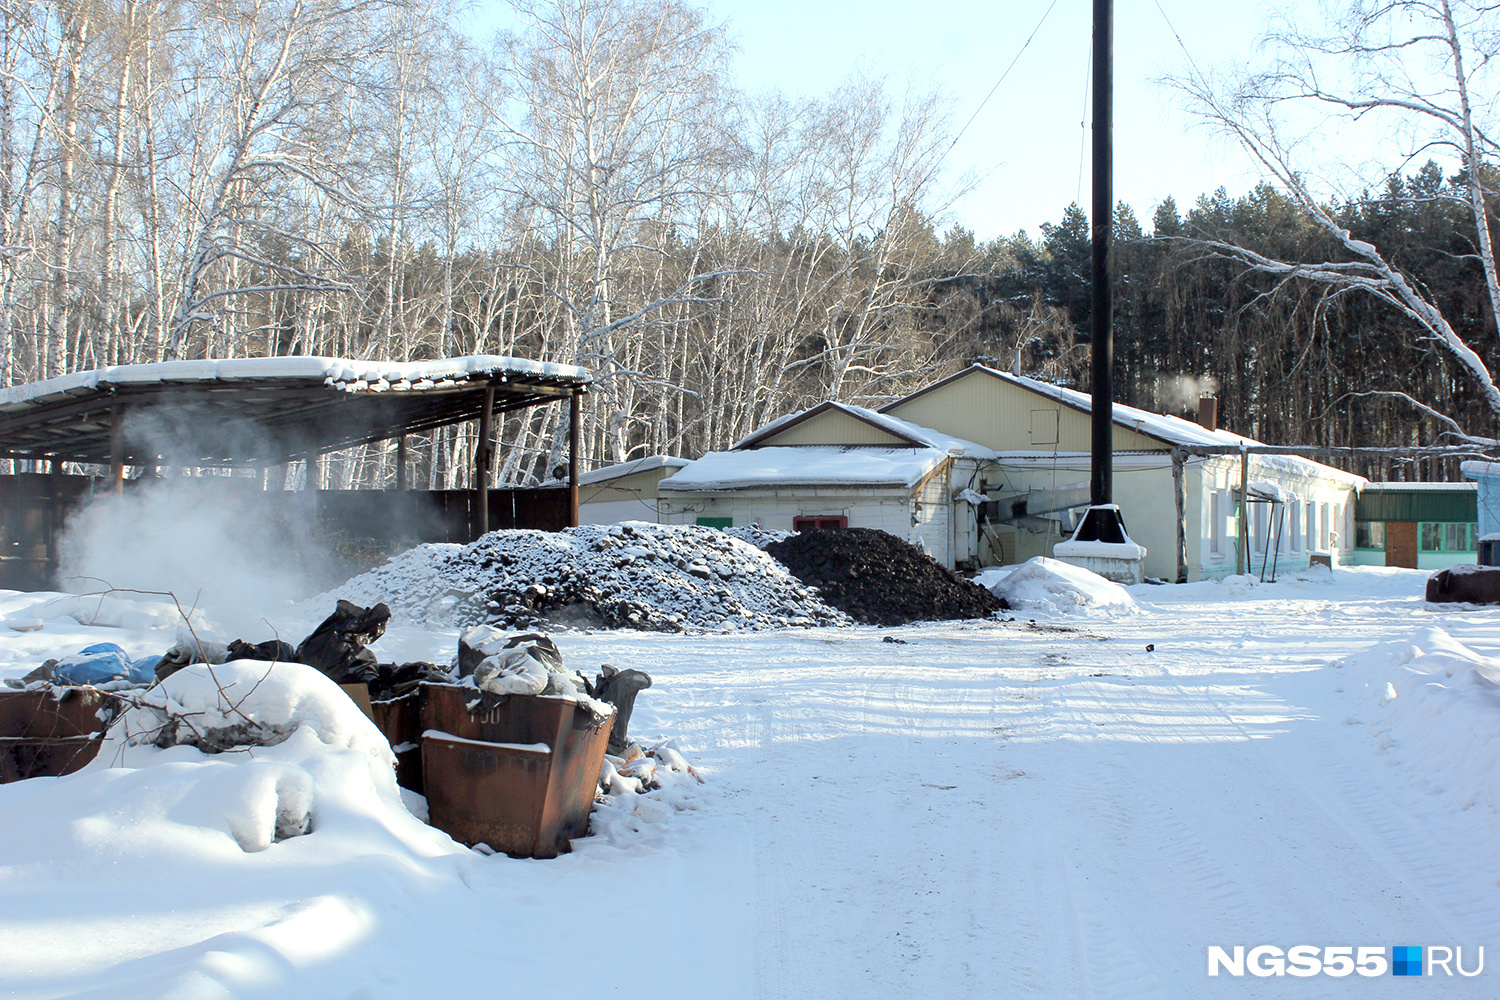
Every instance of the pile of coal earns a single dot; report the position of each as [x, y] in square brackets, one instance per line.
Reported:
[877, 578]
[654, 577]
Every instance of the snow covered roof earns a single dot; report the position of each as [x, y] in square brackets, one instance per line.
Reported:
[623, 469]
[1264, 489]
[231, 411]
[806, 465]
[1474, 469]
[1171, 430]
[916, 436]
[341, 373]
[1424, 487]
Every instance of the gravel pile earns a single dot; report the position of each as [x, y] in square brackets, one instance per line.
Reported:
[665, 578]
[877, 578]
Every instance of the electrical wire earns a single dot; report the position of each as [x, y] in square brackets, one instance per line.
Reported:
[1180, 44]
[1003, 75]
[1083, 118]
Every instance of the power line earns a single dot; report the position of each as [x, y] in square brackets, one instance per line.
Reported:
[1083, 118]
[1180, 44]
[1003, 75]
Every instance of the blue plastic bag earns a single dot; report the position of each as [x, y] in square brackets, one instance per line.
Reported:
[103, 663]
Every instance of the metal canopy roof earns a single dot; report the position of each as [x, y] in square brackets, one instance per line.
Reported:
[261, 410]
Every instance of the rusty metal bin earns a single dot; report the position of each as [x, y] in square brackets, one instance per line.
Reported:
[44, 756]
[400, 720]
[51, 731]
[516, 772]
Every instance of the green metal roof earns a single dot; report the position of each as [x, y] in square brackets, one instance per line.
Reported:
[1418, 502]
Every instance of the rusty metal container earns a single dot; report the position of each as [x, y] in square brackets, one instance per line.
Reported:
[400, 719]
[516, 772]
[44, 757]
[51, 731]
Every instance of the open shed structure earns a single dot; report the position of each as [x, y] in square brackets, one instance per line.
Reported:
[262, 412]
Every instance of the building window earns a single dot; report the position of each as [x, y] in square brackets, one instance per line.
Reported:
[1216, 522]
[1294, 525]
[1312, 526]
[1369, 535]
[715, 522]
[1448, 536]
[1323, 525]
[810, 523]
[1259, 522]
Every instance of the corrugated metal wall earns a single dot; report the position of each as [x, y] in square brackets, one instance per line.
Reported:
[986, 410]
[833, 427]
[1417, 505]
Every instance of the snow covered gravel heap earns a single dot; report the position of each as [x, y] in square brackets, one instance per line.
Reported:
[877, 578]
[656, 577]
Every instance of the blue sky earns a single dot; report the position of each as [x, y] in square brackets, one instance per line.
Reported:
[1027, 141]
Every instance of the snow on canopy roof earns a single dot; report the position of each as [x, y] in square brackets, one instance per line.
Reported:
[262, 410]
[923, 437]
[1264, 489]
[806, 465]
[344, 373]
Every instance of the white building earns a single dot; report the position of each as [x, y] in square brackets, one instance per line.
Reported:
[985, 468]
[836, 465]
[624, 492]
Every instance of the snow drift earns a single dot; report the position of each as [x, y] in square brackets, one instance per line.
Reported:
[1051, 584]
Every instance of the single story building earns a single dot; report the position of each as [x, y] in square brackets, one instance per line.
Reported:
[1486, 476]
[1417, 525]
[1179, 483]
[986, 468]
[625, 491]
[837, 465]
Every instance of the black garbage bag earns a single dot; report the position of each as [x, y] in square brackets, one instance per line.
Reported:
[619, 688]
[275, 650]
[393, 681]
[337, 647]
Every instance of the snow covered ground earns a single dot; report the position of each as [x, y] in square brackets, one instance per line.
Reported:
[1038, 807]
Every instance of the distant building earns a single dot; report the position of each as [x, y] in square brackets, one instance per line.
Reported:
[985, 468]
[624, 492]
[838, 466]
[1486, 476]
[1177, 490]
[1416, 525]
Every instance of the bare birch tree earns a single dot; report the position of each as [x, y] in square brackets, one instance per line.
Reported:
[620, 114]
[292, 70]
[1422, 75]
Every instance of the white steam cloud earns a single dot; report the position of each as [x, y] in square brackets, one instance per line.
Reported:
[1182, 392]
[206, 541]
[219, 543]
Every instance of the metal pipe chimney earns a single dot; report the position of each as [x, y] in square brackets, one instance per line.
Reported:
[1208, 412]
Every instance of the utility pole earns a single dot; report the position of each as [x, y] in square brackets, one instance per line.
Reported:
[1118, 558]
[1102, 409]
